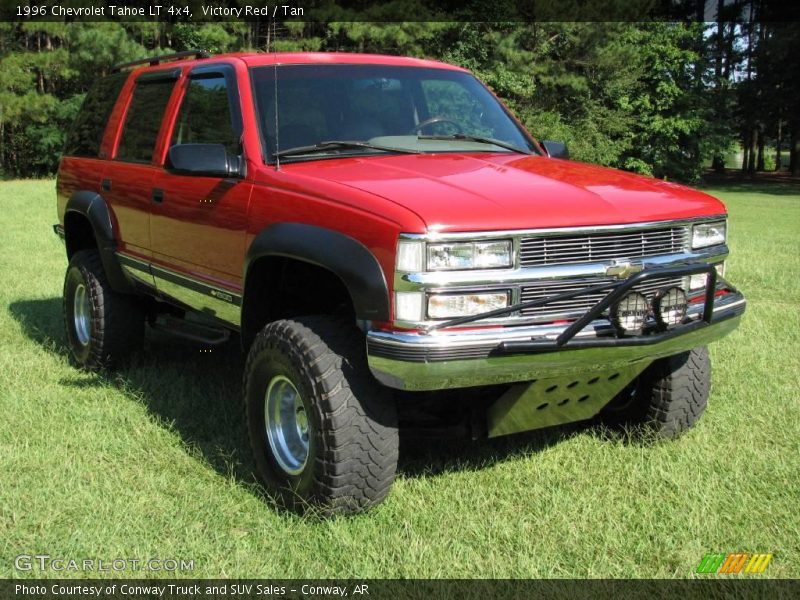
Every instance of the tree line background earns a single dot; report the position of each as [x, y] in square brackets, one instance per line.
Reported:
[659, 98]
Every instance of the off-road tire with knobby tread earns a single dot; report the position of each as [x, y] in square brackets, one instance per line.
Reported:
[353, 436]
[117, 320]
[668, 397]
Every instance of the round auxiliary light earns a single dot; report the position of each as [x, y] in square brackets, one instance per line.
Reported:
[670, 306]
[630, 313]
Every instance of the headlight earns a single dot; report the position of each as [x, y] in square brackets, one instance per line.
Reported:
[708, 234]
[469, 255]
[450, 306]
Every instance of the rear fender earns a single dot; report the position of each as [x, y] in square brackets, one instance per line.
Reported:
[94, 209]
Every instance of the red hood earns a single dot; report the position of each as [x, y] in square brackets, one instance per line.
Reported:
[458, 192]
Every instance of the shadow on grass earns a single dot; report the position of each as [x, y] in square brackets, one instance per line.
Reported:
[421, 458]
[196, 392]
[192, 389]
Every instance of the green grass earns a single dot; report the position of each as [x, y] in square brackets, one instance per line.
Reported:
[149, 462]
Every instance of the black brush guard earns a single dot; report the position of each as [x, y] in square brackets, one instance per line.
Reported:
[618, 289]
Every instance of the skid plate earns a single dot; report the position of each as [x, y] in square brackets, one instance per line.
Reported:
[553, 401]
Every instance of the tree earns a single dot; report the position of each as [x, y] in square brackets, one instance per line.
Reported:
[657, 98]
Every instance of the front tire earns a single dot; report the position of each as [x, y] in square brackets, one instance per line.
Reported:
[668, 398]
[323, 432]
[102, 325]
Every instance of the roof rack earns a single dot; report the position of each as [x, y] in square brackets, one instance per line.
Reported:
[157, 60]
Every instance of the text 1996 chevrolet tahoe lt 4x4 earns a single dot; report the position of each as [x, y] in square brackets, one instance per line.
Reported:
[373, 223]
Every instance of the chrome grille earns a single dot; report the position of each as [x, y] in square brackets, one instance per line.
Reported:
[601, 247]
[576, 307]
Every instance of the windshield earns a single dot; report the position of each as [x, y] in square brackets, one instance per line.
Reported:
[403, 108]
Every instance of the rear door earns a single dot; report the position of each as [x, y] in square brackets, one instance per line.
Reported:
[198, 223]
[128, 182]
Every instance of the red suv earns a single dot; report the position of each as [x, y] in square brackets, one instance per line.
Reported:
[368, 224]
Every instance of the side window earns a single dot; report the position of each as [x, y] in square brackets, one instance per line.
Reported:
[87, 130]
[205, 115]
[139, 134]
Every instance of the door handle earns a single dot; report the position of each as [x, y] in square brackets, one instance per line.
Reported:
[158, 195]
[106, 185]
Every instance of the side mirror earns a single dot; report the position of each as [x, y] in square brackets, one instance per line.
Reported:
[555, 149]
[207, 160]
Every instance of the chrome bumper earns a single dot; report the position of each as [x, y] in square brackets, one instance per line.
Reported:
[464, 358]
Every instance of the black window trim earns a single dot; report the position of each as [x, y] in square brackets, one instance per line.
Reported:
[227, 71]
[159, 76]
[210, 71]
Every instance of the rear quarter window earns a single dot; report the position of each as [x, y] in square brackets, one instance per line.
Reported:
[87, 130]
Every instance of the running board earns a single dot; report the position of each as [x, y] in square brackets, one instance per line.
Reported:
[192, 331]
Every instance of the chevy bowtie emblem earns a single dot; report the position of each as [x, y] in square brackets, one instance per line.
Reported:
[623, 270]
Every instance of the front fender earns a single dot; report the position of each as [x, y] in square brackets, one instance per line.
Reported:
[345, 257]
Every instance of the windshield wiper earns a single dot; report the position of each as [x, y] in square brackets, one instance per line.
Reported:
[333, 144]
[475, 138]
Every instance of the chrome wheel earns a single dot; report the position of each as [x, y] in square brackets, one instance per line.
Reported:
[82, 314]
[286, 423]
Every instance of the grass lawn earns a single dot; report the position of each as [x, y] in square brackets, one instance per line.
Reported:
[150, 462]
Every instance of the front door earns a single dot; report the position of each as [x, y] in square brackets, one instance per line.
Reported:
[197, 223]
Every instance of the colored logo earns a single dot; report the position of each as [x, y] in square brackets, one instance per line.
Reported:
[623, 269]
[735, 562]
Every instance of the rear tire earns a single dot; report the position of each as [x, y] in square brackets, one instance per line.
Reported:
[323, 432]
[667, 398]
[102, 325]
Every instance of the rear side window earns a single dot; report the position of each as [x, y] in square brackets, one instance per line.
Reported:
[143, 120]
[205, 115]
[87, 130]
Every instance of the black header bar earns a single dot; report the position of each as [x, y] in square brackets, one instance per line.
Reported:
[198, 11]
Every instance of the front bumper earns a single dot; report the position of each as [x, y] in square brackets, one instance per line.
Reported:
[464, 358]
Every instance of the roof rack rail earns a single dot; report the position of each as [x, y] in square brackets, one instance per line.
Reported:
[157, 60]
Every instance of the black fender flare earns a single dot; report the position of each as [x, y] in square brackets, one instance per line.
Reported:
[93, 207]
[342, 255]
